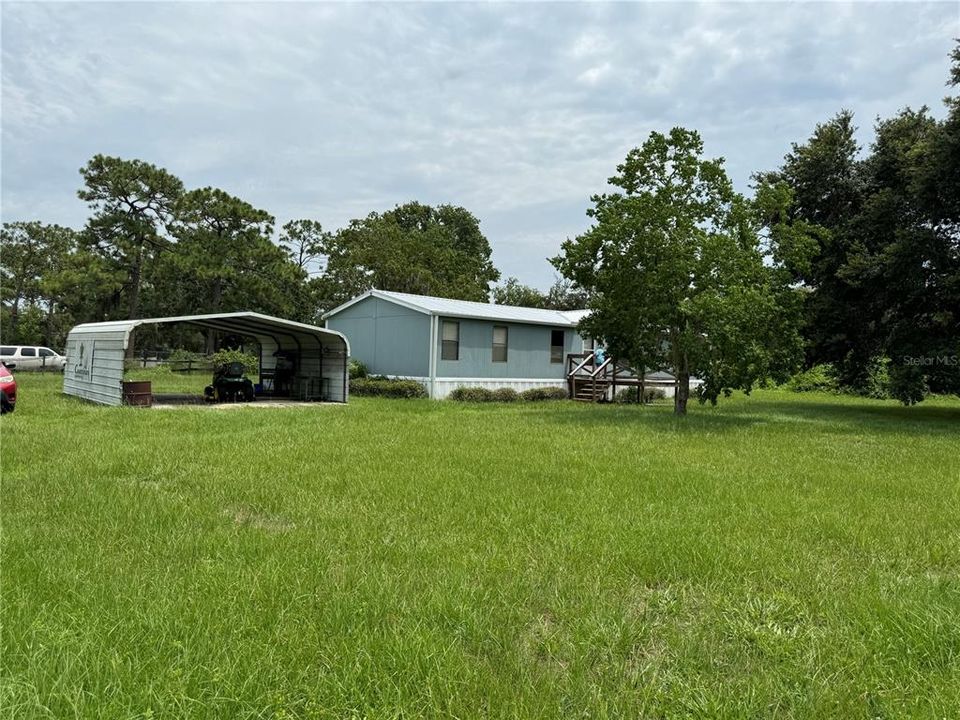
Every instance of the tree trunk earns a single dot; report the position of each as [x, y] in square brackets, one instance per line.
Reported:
[216, 298]
[49, 325]
[681, 374]
[135, 285]
[683, 393]
[13, 336]
[134, 296]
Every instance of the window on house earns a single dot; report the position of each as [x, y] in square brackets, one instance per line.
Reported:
[499, 343]
[556, 346]
[450, 340]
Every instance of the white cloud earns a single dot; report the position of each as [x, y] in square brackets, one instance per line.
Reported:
[594, 75]
[518, 112]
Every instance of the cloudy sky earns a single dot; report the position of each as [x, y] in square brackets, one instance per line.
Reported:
[518, 112]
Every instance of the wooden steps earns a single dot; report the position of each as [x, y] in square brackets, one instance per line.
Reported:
[589, 389]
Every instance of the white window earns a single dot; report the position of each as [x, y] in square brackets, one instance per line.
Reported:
[499, 343]
[450, 340]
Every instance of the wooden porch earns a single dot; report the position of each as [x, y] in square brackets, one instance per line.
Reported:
[590, 381]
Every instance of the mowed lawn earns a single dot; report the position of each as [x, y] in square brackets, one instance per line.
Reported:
[779, 555]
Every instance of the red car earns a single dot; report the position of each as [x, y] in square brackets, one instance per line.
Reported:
[8, 391]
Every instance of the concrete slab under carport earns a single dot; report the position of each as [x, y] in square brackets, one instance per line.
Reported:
[164, 402]
[97, 353]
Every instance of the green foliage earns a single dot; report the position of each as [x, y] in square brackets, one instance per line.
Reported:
[628, 396]
[562, 295]
[885, 277]
[305, 241]
[413, 248]
[357, 369]
[378, 386]
[498, 395]
[565, 295]
[223, 358]
[819, 378]
[181, 355]
[506, 395]
[513, 292]
[539, 394]
[877, 384]
[225, 260]
[471, 394]
[677, 275]
[132, 203]
[48, 281]
[908, 383]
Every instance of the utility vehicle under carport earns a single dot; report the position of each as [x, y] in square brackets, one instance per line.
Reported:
[296, 360]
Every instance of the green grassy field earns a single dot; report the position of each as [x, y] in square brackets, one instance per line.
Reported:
[164, 380]
[777, 556]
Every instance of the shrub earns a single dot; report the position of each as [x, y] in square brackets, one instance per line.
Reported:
[482, 394]
[907, 383]
[357, 370]
[251, 364]
[877, 383]
[472, 394]
[505, 395]
[818, 378]
[628, 396]
[386, 387]
[181, 356]
[543, 393]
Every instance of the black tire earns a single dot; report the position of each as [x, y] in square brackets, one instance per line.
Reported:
[5, 405]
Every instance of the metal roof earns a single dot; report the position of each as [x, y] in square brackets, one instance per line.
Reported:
[448, 307]
[244, 323]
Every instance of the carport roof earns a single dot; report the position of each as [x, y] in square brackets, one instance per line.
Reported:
[245, 323]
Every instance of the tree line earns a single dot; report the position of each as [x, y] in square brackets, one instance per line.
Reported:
[839, 256]
[154, 248]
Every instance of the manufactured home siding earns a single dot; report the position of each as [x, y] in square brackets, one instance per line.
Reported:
[528, 351]
[388, 338]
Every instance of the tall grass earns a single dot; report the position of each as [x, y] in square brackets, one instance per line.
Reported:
[776, 556]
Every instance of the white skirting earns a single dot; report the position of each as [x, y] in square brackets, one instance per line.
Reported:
[445, 385]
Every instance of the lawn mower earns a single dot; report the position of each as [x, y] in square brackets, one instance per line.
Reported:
[230, 384]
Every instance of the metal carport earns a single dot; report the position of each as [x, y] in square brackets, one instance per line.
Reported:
[96, 352]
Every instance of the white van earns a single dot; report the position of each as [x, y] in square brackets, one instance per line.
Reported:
[31, 357]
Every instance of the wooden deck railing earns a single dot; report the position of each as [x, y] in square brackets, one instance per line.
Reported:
[586, 380]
